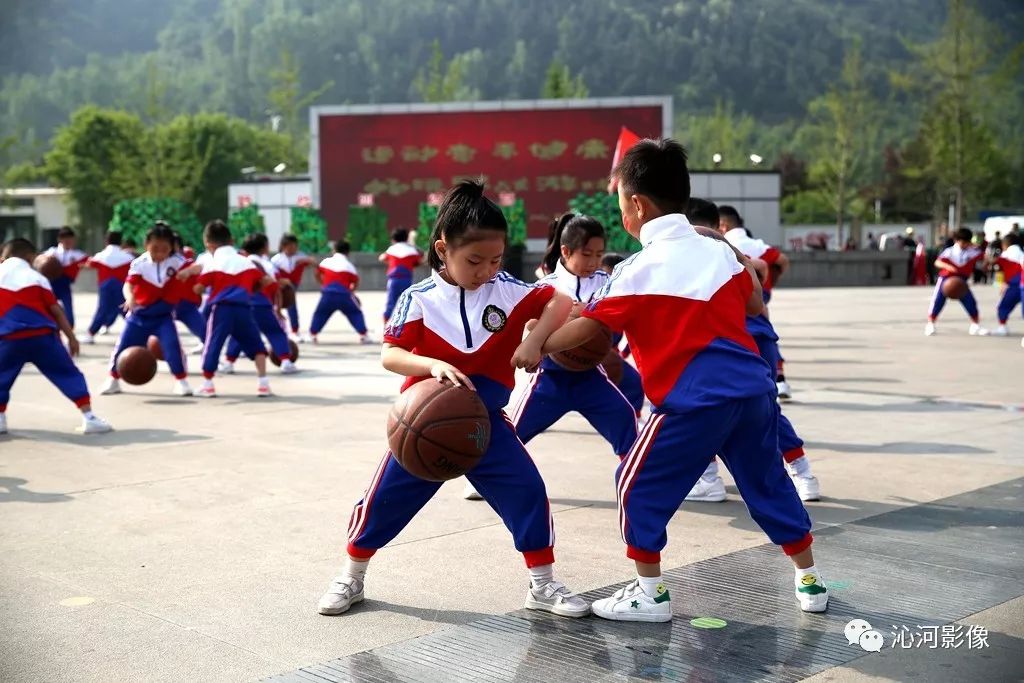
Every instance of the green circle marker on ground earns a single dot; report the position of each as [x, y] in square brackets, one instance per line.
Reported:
[837, 585]
[708, 622]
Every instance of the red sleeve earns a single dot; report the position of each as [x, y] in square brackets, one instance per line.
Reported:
[404, 335]
[771, 255]
[205, 279]
[47, 297]
[537, 299]
[614, 312]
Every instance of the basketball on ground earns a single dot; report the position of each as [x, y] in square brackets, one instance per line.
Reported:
[954, 287]
[136, 365]
[293, 351]
[438, 431]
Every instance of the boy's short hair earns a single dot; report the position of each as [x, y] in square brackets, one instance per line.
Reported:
[963, 235]
[255, 243]
[400, 235]
[730, 215]
[611, 260]
[19, 247]
[114, 238]
[656, 169]
[287, 238]
[342, 247]
[217, 233]
[129, 242]
[1010, 239]
[66, 231]
[703, 213]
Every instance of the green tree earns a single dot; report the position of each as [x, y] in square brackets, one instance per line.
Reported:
[728, 134]
[559, 83]
[441, 81]
[287, 100]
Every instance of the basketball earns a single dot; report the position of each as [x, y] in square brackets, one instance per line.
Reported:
[587, 355]
[287, 290]
[954, 287]
[438, 431]
[293, 350]
[153, 344]
[612, 365]
[136, 365]
[48, 266]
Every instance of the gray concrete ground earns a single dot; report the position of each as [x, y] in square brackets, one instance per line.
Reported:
[193, 542]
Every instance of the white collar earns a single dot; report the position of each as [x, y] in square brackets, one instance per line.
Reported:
[669, 226]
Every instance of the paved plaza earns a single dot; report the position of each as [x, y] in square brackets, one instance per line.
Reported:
[192, 543]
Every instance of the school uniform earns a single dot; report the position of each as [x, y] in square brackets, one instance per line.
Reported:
[477, 332]
[961, 262]
[630, 384]
[231, 278]
[1010, 263]
[111, 266]
[262, 303]
[553, 391]
[752, 247]
[338, 280]
[29, 334]
[791, 445]
[155, 289]
[681, 301]
[292, 268]
[71, 261]
[402, 259]
[189, 310]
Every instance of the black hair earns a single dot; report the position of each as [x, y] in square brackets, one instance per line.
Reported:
[1011, 238]
[702, 212]
[286, 239]
[179, 244]
[18, 247]
[611, 260]
[464, 208]
[342, 247]
[161, 231]
[66, 231]
[114, 238]
[129, 242]
[400, 235]
[963, 235]
[217, 233]
[255, 243]
[572, 231]
[729, 213]
[656, 169]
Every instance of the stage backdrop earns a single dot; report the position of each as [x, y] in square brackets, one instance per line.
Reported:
[542, 151]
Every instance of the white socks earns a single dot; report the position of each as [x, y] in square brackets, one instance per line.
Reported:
[712, 471]
[355, 569]
[649, 585]
[800, 466]
[541, 575]
[264, 381]
[88, 414]
[801, 573]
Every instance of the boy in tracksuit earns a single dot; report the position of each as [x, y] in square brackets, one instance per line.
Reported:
[682, 302]
[111, 266]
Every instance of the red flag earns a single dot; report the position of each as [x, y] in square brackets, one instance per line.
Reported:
[627, 139]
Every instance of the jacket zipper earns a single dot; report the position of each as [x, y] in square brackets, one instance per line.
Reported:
[579, 285]
[465, 318]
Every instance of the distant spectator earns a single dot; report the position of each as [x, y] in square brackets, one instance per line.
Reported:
[872, 242]
[851, 245]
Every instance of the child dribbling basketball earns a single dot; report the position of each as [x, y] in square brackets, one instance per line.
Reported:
[465, 325]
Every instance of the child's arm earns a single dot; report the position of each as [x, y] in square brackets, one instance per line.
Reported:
[62, 322]
[571, 335]
[186, 273]
[402, 362]
[382, 258]
[129, 297]
[318, 276]
[531, 350]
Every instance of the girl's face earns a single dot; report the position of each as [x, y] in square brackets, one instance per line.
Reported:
[585, 261]
[158, 249]
[474, 260]
[290, 249]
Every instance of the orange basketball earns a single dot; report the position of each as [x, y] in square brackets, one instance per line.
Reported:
[48, 266]
[136, 365]
[293, 351]
[587, 355]
[287, 290]
[954, 287]
[153, 344]
[438, 431]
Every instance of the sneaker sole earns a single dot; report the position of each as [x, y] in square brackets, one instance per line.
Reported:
[815, 609]
[334, 611]
[476, 496]
[811, 498]
[554, 609]
[636, 616]
[708, 499]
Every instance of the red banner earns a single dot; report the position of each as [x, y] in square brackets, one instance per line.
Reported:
[544, 156]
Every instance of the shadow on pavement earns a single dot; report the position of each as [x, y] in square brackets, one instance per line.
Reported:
[12, 491]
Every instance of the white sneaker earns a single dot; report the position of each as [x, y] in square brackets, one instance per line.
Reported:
[197, 350]
[929, 329]
[342, 594]
[469, 492]
[111, 387]
[976, 330]
[104, 330]
[1001, 331]
[226, 368]
[806, 486]
[783, 388]
[94, 425]
[632, 604]
[207, 390]
[307, 338]
[554, 597]
[263, 391]
[88, 339]
[367, 339]
[707, 491]
[812, 594]
[3, 423]
[288, 367]
[182, 388]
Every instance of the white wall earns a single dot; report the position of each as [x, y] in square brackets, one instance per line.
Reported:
[275, 200]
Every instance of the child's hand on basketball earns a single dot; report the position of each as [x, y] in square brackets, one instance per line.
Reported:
[446, 371]
[527, 356]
